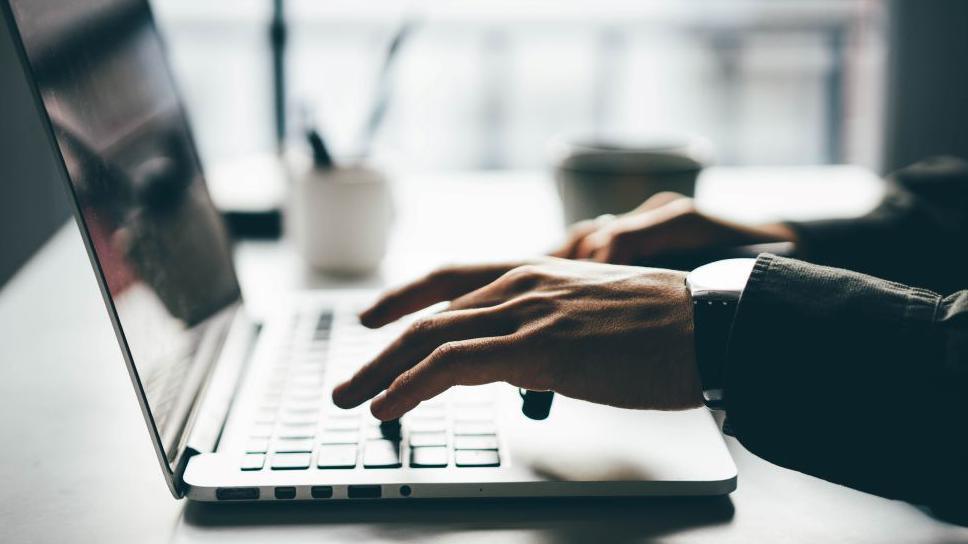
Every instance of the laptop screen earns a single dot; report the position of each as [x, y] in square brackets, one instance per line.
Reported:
[164, 258]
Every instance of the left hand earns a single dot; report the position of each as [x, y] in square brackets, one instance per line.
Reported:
[667, 223]
[615, 335]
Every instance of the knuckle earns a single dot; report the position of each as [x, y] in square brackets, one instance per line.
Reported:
[687, 207]
[419, 329]
[443, 273]
[562, 325]
[668, 196]
[523, 277]
[620, 237]
[446, 352]
[400, 385]
[581, 228]
[534, 303]
[524, 271]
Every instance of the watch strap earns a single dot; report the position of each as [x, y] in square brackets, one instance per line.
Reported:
[712, 322]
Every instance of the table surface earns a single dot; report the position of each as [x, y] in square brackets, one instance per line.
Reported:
[77, 464]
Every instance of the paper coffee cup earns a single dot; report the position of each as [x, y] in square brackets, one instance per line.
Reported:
[598, 176]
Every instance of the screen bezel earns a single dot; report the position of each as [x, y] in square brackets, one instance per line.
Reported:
[171, 470]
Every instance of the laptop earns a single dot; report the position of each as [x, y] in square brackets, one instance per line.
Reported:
[241, 411]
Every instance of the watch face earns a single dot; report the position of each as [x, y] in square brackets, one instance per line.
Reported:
[720, 280]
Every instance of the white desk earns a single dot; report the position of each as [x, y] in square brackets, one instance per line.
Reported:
[76, 464]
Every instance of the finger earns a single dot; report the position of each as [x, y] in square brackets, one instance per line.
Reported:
[592, 244]
[620, 249]
[444, 284]
[658, 200]
[575, 234]
[422, 338]
[579, 231]
[468, 362]
[515, 282]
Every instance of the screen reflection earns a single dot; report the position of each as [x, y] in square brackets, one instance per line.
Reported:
[102, 76]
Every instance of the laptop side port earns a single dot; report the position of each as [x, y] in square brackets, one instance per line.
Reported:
[321, 491]
[285, 492]
[237, 493]
[364, 492]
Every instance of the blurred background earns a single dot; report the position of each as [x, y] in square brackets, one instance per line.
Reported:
[487, 85]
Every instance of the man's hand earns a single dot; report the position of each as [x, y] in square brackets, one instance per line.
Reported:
[614, 335]
[665, 223]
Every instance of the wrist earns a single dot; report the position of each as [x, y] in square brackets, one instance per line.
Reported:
[779, 232]
[715, 290]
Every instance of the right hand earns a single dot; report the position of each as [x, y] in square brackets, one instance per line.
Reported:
[615, 335]
[665, 223]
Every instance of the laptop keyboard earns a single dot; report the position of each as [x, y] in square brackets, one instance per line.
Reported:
[297, 427]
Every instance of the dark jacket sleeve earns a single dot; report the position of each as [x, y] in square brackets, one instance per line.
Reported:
[917, 235]
[854, 379]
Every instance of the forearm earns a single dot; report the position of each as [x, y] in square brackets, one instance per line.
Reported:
[853, 379]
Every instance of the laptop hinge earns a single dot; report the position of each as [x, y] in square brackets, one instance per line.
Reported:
[207, 418]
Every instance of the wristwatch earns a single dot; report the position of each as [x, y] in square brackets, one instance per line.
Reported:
[715, 289]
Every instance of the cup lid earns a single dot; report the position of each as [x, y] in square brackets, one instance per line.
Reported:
[627, 155]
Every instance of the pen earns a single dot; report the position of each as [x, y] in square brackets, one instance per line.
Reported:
[321, 157]
[536, 404]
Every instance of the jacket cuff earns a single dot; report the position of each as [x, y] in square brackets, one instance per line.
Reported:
[798, 323]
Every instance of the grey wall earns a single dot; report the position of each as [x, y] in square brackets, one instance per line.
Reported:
[33, 202]
[928, 81]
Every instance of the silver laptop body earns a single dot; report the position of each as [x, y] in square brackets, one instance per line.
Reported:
[240, 411]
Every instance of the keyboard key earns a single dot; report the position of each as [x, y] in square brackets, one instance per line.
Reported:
[292, 445]
[337, 456]
[462, 405]
[418, 440]
[291, 461]
[305, 386]
[382, 454]
[340, 437]
[476, 458]
[347, 412]
[269, 405]
[306, 394]
[430, 457]
[371, 432]
[476, 428]
[426, 425]
[300, 419]
[296, 431]
[479, 442]
[472, 415]
[253, 461]
[261, 431]
[342, 417]
[296, 407]
[265, 417]
[436, 410]
[257, 445]
[342, 424]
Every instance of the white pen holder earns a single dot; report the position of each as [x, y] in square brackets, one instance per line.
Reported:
[340, 217]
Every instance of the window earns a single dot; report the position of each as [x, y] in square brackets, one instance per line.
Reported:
[488, 84]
